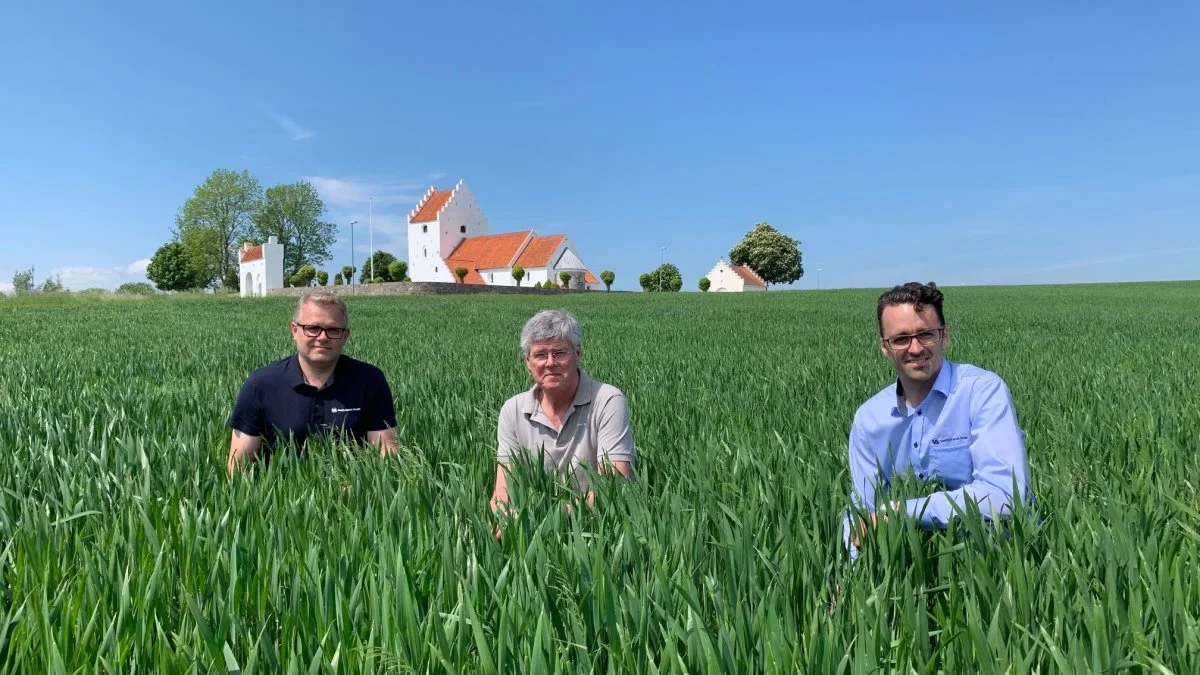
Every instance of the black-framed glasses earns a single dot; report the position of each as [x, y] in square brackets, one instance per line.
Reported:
[313, 330]
[928, 337]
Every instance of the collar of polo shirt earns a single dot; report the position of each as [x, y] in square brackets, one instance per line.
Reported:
[293, 364]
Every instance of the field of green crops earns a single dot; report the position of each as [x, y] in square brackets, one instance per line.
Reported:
[124, 547]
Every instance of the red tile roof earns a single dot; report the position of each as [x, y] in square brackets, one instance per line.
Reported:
[428, 210]
[539, 250]
[748, 275]
[489, 251]
[587, 276]
[253, 253]
[472, 277]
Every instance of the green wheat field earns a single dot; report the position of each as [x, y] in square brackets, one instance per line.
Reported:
[125, 548]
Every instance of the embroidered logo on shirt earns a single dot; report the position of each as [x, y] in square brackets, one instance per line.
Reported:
[939, 441]
[338, 410]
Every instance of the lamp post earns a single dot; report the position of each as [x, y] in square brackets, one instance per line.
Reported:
[818, 278]
[371, 230]
[661, 255]
[352, 270]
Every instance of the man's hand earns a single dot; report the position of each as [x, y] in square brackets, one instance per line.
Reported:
[386, 440]
[865, 525]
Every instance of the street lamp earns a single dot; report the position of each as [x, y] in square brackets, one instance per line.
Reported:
[661, 254]
[818, 278]
[352, 270]
[371, 229]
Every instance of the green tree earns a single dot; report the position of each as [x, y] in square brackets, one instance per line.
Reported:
[397, 270]
[705, 284]
[381, 259]
[337, 279]
[323, 278]
[565, 277]
[222, 208]
[347, 274]
[461, 273]
[664, 278]
[773, 255]
[52, 284]
[293, 213]
[22, 281]
[306, 274]
[171, 268]
[518, 273]
[135, 288]
[608, 278]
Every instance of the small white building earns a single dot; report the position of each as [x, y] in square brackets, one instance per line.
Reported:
[726, 278]
[447, 230]
[260, 267]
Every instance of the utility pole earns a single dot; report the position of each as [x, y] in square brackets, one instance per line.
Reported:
[352, 270]
[662, 254]
[371, 229]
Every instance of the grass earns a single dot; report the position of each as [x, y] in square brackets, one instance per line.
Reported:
[125, 549]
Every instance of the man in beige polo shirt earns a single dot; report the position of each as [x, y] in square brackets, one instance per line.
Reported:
[569, 419]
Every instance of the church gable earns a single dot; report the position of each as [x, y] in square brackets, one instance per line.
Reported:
[568, 261]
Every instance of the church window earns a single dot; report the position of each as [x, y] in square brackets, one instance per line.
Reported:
[462, 228]
[424, 228]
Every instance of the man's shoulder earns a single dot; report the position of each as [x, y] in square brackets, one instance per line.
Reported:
[973, 377]
[880, 403]
[271, 371]
[359, 368]
[603, 392]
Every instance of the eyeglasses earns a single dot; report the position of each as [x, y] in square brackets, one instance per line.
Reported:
[313, 330]
[558, 354]
[925, 337]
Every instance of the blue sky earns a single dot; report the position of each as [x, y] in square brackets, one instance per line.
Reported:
[966, 143]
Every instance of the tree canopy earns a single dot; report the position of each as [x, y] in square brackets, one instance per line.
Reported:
[293, 214]
[171, 268]
[220, 210]
[773, 255]
[383, 261]
[665, 278]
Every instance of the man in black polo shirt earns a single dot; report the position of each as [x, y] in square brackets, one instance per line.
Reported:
[319, 390]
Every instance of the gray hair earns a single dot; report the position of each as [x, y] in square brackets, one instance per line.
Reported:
[548, 325]
[327, 300]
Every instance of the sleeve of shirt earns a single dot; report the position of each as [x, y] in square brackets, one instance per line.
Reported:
[247, 415]
[506, 432]
[381, 409]
[615, 437]
[998, 459]
[865, 480]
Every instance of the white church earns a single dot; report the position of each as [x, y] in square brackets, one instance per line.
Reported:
[726, 278]
[260, 267]
[447, 230]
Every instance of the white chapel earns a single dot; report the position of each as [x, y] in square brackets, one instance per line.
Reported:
[447, 230]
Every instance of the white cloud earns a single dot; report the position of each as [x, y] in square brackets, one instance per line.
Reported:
[339, 193]
[6, 288]
[79, 277]
[297, 132]
[138, 266]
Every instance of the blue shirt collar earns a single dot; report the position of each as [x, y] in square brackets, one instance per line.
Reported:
[943, 384]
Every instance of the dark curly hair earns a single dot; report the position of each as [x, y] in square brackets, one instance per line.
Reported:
[912, 293]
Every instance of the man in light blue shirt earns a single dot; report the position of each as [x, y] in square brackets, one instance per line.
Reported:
[950, 423]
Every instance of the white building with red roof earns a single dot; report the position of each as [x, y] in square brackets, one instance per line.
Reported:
[447, 230]
[260, 267]
[726, 278]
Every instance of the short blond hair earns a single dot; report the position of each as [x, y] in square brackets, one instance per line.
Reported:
[326, 300]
